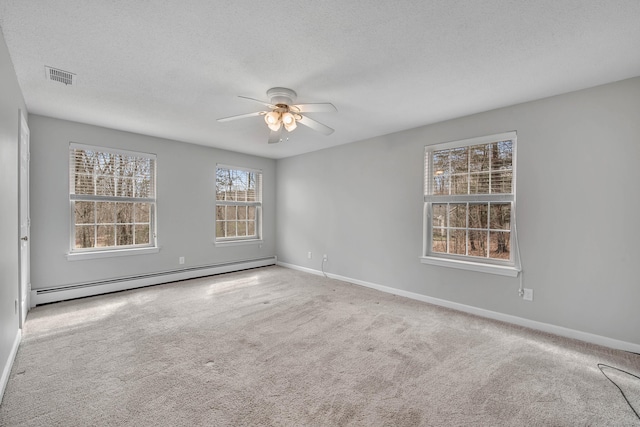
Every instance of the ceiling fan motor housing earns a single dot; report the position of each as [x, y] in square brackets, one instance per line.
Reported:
[281, 95]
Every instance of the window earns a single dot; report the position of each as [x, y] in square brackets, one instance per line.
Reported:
[469, 197]
[113, 199]
[238, 204]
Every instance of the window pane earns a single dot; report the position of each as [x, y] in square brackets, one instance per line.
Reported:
[479, 183]
[479, 158]
[478, 243]
[439, 241]
[251, 213]
[105, 212]
[85, 236]
[220, 229]
[501, 155]
[251, 195]
[501, 182]
[220, 213]
[242, 212]
[441, 183]
[441, 174]
[83, 183]
[142, 212]
[459, 184]
[439, 215]
[499, 244]
[106, 236]
[231, 212]
[478, 215]
[125, 187]
[457, 242]
[105, 186]
[85, 212]
[125, 234]
[124, 213]
[142, 187]
[242, 228]
[230, 229]
[459, 160]
[458, 215]
[500, 216]
[251, 228]
[440, 162]
[143, 235]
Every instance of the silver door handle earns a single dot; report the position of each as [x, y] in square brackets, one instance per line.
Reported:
[25, 238]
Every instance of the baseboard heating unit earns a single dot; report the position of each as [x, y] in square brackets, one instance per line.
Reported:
[79, 290]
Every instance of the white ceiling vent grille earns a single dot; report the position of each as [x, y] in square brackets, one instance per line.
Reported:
[60, 76]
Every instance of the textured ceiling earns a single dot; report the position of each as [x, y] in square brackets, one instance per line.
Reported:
[171, 68]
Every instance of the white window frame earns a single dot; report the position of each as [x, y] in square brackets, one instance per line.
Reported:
[240, 240]
[76, 254]
[509, 267]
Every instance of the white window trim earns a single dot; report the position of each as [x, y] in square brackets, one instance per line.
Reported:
[492, 266]
[78, 254]
[238, 241]
[502, 270]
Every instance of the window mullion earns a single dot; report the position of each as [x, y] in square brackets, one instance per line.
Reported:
[466, 234]
[490, 167]
[489, 230]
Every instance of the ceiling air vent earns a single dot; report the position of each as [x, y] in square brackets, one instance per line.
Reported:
[60, 76]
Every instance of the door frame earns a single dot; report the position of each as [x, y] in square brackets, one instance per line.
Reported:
[24, 220]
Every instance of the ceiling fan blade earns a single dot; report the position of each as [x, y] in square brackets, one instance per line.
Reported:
[317, 126]
[275, 136]
[271, 106]
[242, 116]
[323, 107]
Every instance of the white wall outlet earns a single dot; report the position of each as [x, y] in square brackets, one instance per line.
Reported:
[181, 260]
[309, 254]
[325, 257]
[528, 294]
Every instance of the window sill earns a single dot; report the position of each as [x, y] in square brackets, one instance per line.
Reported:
[501, 270]
[78, 256]
[222, 243]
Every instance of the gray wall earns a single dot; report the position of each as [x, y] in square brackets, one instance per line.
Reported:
[185, 204]
[577, 215]
[10, 102]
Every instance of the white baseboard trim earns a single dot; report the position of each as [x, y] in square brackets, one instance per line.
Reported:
[80, 290]
[520, 321]
[6, 371]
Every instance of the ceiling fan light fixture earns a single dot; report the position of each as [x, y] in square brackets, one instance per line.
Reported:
[283, 113]
[273, 120]
[289, 121]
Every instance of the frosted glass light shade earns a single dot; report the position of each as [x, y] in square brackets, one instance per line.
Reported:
[273, 120]
[289, 121]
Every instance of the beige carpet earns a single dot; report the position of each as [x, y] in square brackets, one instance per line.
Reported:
[273, 346]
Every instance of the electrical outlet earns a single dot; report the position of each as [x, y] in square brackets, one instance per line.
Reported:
[325, 258]
[181, 260]
[528, 294]
[309, 254]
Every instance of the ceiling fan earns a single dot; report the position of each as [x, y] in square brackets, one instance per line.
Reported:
[284, 114]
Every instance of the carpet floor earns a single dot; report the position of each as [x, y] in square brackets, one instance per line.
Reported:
[278, 347]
